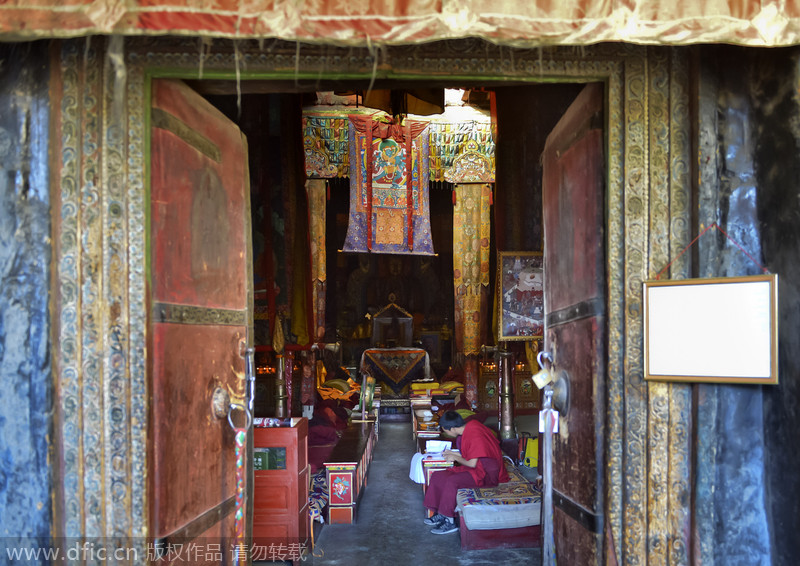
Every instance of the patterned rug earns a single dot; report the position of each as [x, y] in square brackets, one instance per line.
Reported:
[516, 491]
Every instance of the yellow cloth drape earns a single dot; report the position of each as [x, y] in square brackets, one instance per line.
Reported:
[471, 239]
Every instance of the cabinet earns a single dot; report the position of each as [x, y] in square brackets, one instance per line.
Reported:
[280, 489]
[526, 394]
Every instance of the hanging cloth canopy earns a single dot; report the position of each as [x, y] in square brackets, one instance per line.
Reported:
[507, 22]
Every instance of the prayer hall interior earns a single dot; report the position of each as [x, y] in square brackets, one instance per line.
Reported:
[397, 243]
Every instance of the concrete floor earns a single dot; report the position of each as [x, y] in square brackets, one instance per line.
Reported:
[389, 528]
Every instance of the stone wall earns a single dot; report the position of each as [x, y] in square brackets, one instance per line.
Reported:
[26, 415]
[749, 124]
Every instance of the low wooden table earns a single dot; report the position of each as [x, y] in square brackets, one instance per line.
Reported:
[420, 431]
[431, 465]
[346, 470]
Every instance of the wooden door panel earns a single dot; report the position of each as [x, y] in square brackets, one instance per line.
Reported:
[211, 547]
[581, 543]
[197, 221]
[199, 237]
[194, 461]
[572, 221]
[576, 464]
[575, 283]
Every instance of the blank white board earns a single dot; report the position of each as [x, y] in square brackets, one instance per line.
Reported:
[715, 330]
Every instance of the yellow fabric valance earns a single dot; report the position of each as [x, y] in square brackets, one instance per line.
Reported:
[369, 22]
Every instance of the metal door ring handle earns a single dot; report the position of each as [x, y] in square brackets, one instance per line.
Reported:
[248, 418]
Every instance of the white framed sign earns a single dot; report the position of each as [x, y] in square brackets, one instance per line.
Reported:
[712, 330]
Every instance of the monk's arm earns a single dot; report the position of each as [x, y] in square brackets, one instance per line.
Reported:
[454, 457]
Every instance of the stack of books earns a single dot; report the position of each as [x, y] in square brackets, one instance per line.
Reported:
[429, 433]
[419, 400]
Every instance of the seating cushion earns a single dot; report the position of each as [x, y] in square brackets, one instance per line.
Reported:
[509, 505]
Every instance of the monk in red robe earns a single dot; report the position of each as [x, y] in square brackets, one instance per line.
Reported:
[479, 463]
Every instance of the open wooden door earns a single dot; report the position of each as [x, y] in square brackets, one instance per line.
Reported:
[200, 313]
[575, 321]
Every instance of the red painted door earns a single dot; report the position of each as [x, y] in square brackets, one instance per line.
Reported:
[199, 315]
[575, 320]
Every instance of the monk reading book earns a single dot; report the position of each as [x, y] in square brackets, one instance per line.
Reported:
[479, 463]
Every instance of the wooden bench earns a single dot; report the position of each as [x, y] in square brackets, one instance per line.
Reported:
[504, 516]
[346, 470]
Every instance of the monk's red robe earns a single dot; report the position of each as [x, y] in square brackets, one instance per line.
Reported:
[478, 441]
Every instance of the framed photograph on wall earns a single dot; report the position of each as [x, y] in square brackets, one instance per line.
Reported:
[722, 330]
[520, 285]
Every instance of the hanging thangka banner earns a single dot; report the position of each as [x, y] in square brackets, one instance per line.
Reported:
[325, 145]
[455, 144]
[389, 206]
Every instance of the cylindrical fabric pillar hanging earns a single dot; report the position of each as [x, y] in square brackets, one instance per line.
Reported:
[471, 257]
[505, 373]
[317, 208]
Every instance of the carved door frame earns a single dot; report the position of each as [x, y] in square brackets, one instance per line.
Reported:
[100, 210]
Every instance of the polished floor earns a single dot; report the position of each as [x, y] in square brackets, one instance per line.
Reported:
[389, 528]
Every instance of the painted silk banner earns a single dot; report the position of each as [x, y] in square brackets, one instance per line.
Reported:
[471, 238]
[389, 206]
[395, 368]
[325, 145]
[450, 141]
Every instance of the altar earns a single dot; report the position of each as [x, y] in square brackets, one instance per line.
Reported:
[394, 369]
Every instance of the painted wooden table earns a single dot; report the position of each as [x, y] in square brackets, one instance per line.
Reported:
[346, 471]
